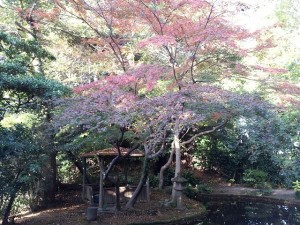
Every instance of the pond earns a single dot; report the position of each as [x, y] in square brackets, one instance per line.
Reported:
[249, 213]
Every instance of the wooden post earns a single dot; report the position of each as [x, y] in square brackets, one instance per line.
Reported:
[126, 170]
[83, 179]
[117, 199]
[101, 188]
[148, 190]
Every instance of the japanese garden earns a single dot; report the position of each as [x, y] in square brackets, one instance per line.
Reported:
[149, 112]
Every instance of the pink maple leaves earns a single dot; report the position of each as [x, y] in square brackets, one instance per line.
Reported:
[194, 40]
[144, 76]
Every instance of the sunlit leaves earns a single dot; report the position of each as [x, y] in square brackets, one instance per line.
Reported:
[13, 47]
[186, 44]
[20, 84]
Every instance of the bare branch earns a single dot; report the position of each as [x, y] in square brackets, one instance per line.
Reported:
[117, 159]
[205, 132]
[24, 28]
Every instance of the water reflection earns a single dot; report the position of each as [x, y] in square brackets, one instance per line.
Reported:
[250, 213]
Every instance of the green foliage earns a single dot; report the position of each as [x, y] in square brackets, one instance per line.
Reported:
[255, 178]
[21, 86]
[78, 140]
[263, 140]
[16, 54]
[203, 188]
[66, 170]
[294, 71]
[36, 86]
[193, 185]
[153, 180]
[288, 14]
[192, 191]
[20, 161]
[296, 186]
[168, 175]
[220, 151]
[190, 178]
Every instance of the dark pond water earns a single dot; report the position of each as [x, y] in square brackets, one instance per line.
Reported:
[249, 213]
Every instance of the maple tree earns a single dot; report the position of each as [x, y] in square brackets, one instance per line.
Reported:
[159, 68]
[170, 91]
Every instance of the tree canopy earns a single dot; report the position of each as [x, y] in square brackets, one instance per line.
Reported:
[165, 76]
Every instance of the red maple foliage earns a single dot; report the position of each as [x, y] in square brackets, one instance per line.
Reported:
[187, 45]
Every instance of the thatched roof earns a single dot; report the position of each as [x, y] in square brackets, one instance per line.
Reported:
[111, 152]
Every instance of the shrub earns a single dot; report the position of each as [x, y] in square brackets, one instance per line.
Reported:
[168, 175]
[296, 186]
[255, 178]
[203, 189]
[191, 178]
[190, 191]
[153, 180]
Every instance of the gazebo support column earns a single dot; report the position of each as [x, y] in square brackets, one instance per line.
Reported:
[117, 190]
[101, 188]
[84, 179]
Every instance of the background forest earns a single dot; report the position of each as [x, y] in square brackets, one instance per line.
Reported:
[208, 85]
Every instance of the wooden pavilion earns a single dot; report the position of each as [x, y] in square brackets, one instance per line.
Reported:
[109, 197]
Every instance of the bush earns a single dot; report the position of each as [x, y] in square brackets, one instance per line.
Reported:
[168, 175]
[153, 180]
[191, 191]
[255, 178]
[296, 186]
[190, 178]
[203, 189]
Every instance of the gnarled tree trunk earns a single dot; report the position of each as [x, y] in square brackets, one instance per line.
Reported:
[164, 167]
[177, 161]
[138, 190]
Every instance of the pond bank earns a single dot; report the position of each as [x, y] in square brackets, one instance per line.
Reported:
[71, 210]
[153, 212]
[276, 196]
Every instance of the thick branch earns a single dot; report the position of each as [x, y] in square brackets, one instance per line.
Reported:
[198, 45]
[164, 167]
[204, 132]
[24, 28]
[155, 16]
[117, 159]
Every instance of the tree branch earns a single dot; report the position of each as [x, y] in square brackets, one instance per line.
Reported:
[24, 29]
[205, 132]
[164, 167]
[117, 159]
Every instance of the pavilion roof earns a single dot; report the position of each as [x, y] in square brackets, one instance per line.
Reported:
[112, 152]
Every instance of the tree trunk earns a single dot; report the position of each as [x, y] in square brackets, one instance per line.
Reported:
[8, 207]
[177, 161]
[51, 178]
[12, 197]
[164, 167]
[143, 179]
[43, 191]
[50, 170]
[77, 162]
